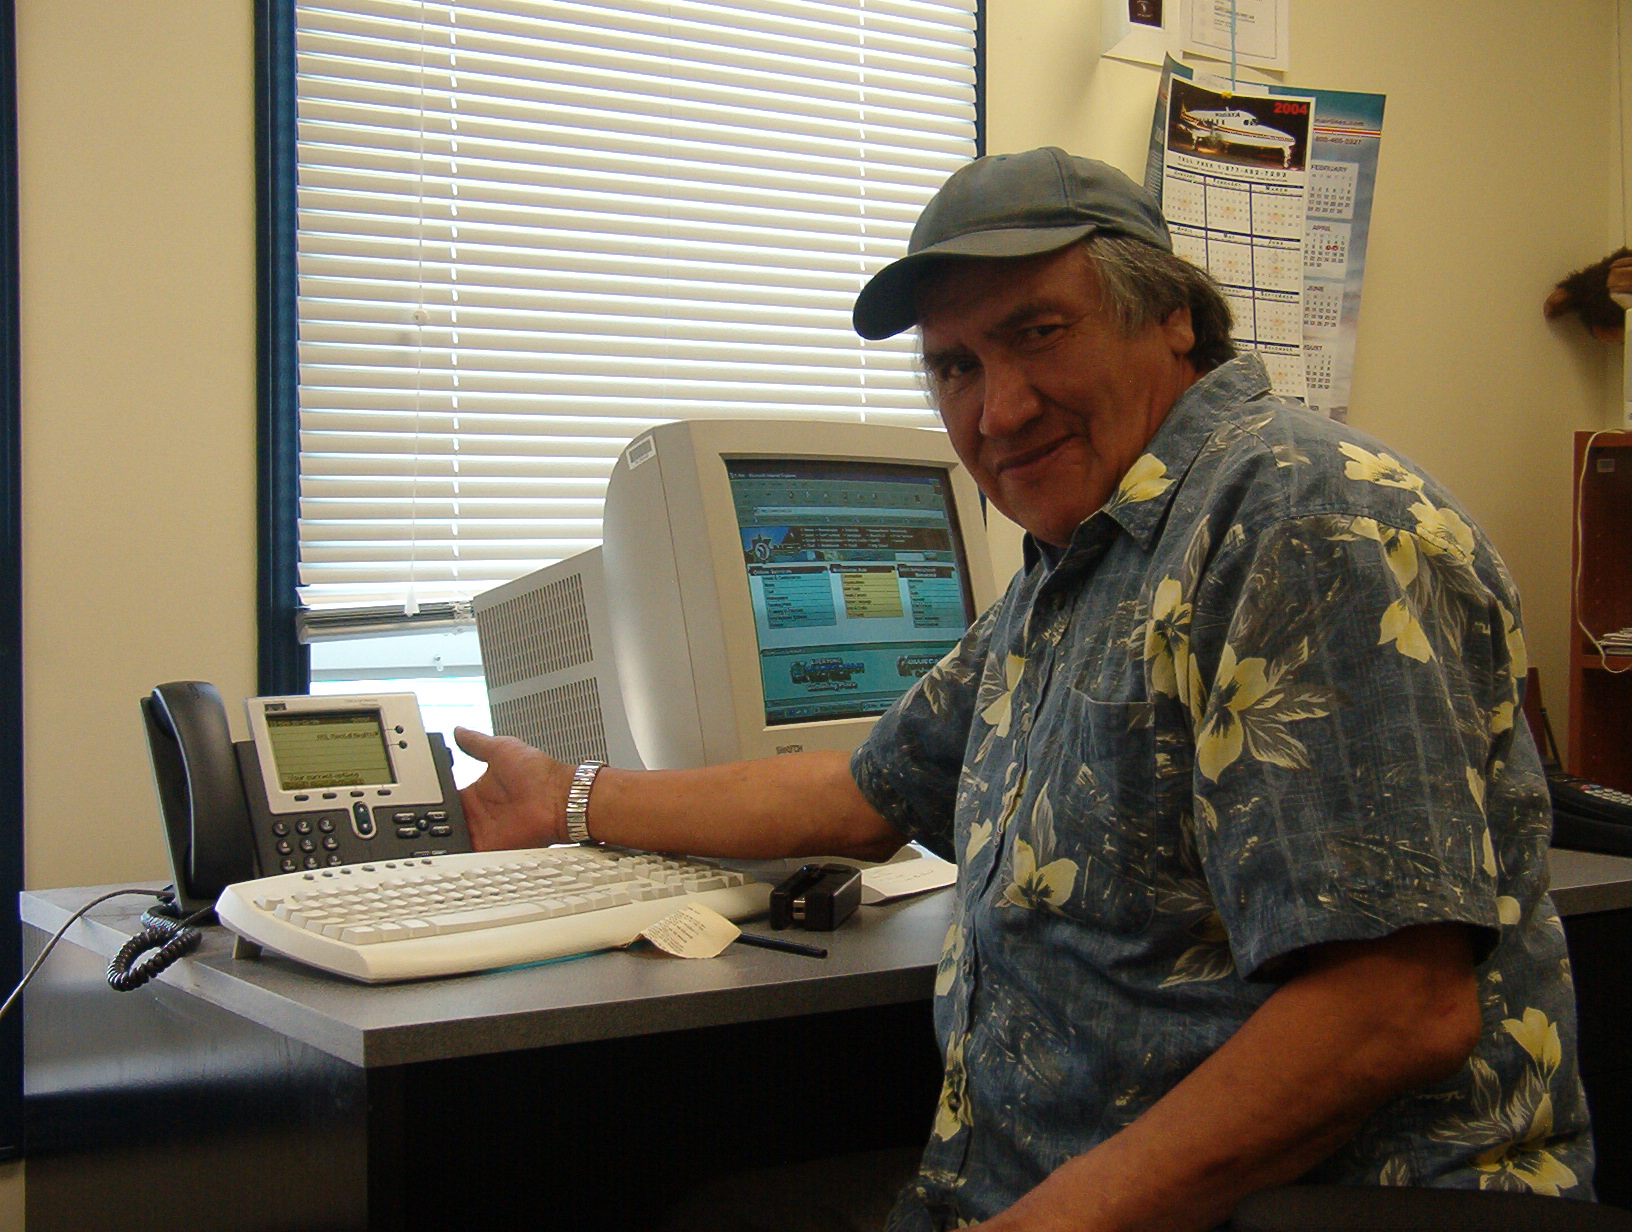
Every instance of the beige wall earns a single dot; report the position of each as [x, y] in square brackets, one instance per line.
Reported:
[1496, 179]
[136, 136]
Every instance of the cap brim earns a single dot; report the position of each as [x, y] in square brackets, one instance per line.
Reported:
[888, 304]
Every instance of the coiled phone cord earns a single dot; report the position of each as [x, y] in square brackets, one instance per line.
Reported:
[164, 933]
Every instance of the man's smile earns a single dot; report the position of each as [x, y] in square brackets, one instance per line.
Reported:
[1027, 462]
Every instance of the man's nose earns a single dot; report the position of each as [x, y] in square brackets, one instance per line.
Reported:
[1011, 401]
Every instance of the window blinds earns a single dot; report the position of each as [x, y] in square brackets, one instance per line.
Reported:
[530, 229]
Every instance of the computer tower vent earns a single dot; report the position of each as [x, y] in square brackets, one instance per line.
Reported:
[564, 722]
[535, 633]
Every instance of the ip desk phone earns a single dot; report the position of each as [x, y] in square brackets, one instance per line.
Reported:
[1588, 816]
[322, 782]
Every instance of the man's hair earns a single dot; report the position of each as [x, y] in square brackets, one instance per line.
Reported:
[1140, 284]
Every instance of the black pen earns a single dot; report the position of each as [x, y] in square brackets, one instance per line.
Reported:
[776, 943]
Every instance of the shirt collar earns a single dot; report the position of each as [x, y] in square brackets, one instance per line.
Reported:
[1141, 500]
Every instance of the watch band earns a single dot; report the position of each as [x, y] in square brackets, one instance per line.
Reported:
[583, 779]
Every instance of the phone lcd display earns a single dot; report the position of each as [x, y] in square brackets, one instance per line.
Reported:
[331, 748]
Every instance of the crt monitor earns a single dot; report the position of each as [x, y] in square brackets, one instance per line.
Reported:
[761, 587]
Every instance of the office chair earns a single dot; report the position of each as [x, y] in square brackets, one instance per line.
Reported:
[1349, 1208]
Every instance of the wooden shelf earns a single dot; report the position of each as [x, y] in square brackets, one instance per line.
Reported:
[1591, 661]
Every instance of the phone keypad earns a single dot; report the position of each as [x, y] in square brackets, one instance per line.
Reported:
[356, 830]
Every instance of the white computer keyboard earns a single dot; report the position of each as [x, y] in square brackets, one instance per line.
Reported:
[446, 915]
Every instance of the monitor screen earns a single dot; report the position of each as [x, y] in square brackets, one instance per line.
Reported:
[858, 580]
[342, 748]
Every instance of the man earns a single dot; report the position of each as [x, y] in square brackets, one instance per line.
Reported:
[1250, 839]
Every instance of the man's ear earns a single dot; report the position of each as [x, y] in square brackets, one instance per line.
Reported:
[1178, 333]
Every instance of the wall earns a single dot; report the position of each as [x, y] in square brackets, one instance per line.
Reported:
[136, 135]
[1496, 179]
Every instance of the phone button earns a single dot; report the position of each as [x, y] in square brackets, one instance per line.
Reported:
[362, 823]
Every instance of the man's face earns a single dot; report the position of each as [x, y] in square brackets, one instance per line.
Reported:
[1047, 402]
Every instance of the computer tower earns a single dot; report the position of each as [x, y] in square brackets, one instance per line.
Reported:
[552, 680]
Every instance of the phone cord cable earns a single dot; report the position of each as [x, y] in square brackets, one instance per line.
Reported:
[166, 936]
[50, 945]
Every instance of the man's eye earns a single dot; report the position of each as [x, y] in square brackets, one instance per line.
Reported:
[1039, 333]
[953, 370]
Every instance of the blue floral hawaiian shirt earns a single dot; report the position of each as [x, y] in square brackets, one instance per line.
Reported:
[1268, 697]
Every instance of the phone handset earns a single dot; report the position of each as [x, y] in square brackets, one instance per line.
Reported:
[200, 791]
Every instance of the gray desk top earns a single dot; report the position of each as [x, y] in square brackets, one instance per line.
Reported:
[1584, 882]
[884, 955]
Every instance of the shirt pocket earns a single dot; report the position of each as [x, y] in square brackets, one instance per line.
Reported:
[1095, 819]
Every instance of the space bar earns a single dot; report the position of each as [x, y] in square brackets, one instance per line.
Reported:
[485, 917]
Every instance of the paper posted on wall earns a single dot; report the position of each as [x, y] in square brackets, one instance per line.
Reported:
[1254, 32]
[1269, 189]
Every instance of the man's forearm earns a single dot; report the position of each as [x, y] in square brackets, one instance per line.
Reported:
[797, 804]
[1289, 1088]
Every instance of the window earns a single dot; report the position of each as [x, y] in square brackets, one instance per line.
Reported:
[529, 229]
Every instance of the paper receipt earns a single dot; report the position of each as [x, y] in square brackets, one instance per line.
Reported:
[694, 931]
[883, 882]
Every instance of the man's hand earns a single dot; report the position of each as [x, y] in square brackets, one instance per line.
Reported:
[521, 800]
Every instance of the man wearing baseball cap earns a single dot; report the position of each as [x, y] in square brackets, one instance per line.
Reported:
[1251, 837]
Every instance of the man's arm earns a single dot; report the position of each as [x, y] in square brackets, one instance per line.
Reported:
[1361, 1023]
[792, 805]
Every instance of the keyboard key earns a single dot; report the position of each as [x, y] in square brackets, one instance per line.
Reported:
[486, 917]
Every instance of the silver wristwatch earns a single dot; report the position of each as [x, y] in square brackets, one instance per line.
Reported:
[583, 779]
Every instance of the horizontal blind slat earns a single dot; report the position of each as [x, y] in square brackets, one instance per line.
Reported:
[531, 229]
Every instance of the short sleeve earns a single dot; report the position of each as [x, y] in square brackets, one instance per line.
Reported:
[1347, 691]
[909, 765]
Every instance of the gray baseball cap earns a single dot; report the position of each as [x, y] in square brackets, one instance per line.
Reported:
[1008, 205]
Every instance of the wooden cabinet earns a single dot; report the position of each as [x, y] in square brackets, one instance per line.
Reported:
[1601, 599]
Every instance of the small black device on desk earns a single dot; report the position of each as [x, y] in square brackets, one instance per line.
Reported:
[816, 896]
[1588, 816]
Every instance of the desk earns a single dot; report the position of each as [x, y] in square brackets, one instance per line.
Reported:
[580, 1094]
[575, 1095]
